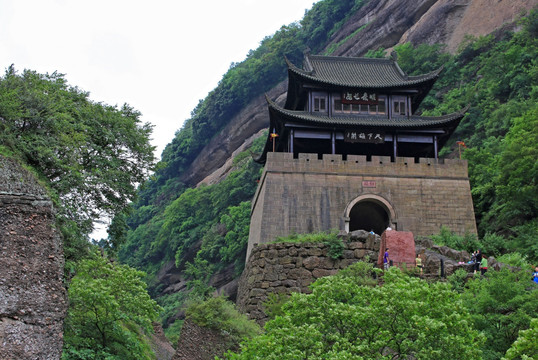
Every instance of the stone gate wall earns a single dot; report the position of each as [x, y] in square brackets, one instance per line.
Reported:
[308, 195]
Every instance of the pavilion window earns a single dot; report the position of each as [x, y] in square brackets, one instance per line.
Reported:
[320, 104]
[381, 108]
[399, 105]
[337, 104]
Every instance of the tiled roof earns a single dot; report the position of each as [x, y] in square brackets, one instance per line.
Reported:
[358, 72]
[413, 121]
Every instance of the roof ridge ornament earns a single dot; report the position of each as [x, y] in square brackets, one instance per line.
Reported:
[291, 66]
[307, 65]
[394, 59]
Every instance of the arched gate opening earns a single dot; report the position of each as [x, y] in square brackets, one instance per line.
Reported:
[369, 212]
[367, 215]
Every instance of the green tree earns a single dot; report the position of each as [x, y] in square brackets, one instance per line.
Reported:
[501, 304]
[346, 318]
[109, 311]
[516, 185]
[237, 222]
[91, 154]
[525, 347]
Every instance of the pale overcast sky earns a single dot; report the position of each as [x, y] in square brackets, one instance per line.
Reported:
[160, 56]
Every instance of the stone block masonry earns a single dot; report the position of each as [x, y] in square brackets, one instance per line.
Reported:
[283, 268]
[291, 267]
[306, 195]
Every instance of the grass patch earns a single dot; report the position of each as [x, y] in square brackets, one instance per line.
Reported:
[330, 239]
[332, 48]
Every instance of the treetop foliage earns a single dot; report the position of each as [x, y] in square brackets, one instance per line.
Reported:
[346, 317]
[91, 155]
[109, 312]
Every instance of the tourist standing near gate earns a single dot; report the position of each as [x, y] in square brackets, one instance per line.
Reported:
[483, 265]
[478, 260]
[386, 259]
[418, 263]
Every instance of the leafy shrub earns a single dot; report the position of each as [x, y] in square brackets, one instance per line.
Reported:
[525, 346]
[449, 238]
[501, 304]
[304, 238]
[335, 245]
[172, 332]
[493, 244]
[273, 305]
[330, 239]
[109, 310]
[458, 280]
[343, 319]
[524, 240]
[220, 314]
[515, 259]
[362, 272]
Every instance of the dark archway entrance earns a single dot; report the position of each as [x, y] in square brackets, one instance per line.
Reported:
[368, 215]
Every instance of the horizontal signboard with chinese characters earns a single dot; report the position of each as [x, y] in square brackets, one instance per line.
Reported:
[359, 97]
[364, 136]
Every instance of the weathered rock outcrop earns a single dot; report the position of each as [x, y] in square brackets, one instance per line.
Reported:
[160, 345]
[201, 343]
[449, 21]
[32, 295]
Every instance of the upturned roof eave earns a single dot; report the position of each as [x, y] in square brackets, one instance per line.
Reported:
[412, 122]
[406, 81]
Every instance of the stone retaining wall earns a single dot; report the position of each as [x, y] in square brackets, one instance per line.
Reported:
[283, 268]
[291, 267]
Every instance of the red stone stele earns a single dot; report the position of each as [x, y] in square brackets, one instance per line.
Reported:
[401, 245]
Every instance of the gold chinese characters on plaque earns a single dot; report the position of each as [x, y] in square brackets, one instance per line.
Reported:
[364, 136]
[360, 97]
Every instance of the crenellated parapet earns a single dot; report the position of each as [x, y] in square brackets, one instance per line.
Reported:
[359, 165]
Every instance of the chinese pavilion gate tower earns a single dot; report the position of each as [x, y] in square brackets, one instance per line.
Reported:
[347, 152]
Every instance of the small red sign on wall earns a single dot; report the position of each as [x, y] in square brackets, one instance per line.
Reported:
[368, 183]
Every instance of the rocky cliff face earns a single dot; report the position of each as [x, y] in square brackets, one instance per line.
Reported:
[387, 23]
[32, 295]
